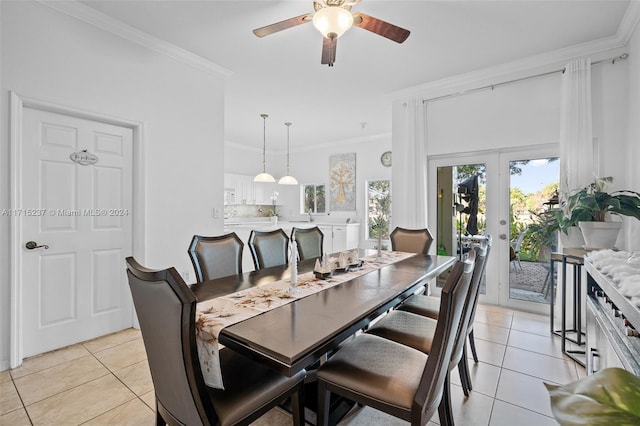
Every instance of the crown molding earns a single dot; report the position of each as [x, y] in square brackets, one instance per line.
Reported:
[100, 20]
[555, 59]
[548, 61]
[629, 21]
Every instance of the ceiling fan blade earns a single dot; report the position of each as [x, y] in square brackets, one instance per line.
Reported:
[380, 27]
[283, 25]
[329, 46]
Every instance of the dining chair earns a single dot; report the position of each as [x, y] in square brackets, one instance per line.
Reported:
[418, 332]
[411, 240]
[269, 248]
[514, 251]
[166, 310]
[216, 257]
[395, 378]
[309, 242]
[429, 307]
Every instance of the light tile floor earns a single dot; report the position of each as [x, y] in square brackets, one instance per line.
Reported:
[106, 381]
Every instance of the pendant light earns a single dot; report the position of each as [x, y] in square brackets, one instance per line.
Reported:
[264, 176]
[288, 179]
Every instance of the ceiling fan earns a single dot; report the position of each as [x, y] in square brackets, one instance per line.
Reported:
[332, 18]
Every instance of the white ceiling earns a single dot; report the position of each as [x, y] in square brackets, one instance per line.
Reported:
[281, 74]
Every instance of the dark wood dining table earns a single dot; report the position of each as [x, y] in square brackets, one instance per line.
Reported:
[294, 336]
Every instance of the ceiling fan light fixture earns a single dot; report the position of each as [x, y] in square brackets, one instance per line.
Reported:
[264, 176]
[332, 21]
[288, 179]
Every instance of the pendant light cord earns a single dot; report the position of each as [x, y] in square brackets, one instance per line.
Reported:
[264, 142]
[288, 127]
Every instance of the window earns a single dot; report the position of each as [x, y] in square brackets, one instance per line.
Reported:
[313, 199]
[378, 208]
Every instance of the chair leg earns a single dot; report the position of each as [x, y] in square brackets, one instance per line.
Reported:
[465, 375]
[472, 343]
[159, 420]
[297, 403]
[324, 397]
[444, 409]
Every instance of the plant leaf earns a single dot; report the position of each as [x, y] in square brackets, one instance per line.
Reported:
[608, 397]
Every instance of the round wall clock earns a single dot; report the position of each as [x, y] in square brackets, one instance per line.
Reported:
[385, 159]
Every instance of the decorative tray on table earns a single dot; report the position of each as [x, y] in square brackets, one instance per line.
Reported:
[346, 261]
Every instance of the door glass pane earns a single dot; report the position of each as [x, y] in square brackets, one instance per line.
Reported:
[532, 193]
[461, 210]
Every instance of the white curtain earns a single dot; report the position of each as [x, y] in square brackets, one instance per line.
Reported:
[576, 138]
[409, 184]
[576, 153]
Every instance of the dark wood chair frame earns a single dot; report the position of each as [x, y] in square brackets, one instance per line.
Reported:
[423, 231]
[314, 230]
[258, 260]
[435, 375]
[199, 392]
[193, 255]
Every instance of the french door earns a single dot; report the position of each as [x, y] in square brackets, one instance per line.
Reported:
[512, 190]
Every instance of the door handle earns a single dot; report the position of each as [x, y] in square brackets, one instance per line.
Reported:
[502, 236]
[30, 245]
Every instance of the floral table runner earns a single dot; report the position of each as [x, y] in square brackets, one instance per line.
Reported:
[215, 314]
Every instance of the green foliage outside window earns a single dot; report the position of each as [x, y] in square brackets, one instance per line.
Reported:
[314, 199]
[378, 208]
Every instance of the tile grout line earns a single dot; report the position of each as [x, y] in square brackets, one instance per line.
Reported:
[493, 400]
[111, 372]
[24, 408]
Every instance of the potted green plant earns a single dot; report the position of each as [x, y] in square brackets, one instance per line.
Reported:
[590, 206]
[569, 232]
[541, 237]
[608, 397]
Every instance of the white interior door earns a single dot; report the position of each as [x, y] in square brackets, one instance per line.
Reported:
[75, 289]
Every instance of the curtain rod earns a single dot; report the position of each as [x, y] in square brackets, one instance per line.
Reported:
[504, 83]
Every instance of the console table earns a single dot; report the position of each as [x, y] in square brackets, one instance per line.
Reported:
[613, 339]
[575, 258]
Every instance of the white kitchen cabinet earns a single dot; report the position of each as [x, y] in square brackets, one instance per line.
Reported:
[353, 236]
[345, 237]
[327, 241]
[245, 192]
[239, 189]
[339, 238]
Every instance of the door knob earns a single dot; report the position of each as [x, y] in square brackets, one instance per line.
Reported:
[502, 236]
[33, 245]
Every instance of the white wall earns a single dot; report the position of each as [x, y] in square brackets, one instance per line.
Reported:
[247, 161]
[49, 56]
[312, 167]
[527, 114]
[521, 114]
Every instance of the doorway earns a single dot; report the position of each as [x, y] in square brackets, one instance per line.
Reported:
[512, 188]
[73, 186]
